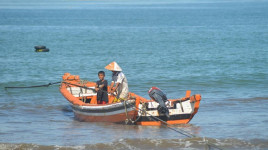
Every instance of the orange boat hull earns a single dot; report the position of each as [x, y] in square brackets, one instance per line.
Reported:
[117, 118]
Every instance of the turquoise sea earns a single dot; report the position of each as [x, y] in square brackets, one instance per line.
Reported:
[217, 48]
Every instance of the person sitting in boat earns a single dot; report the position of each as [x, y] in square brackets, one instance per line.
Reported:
[101, 88]
[119, 82]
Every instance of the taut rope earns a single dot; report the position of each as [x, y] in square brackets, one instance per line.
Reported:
[44, 85]
[178, 130]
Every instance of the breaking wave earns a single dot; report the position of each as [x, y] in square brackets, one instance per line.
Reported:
[157, 144]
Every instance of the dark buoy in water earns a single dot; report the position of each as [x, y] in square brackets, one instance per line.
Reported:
[41, 48]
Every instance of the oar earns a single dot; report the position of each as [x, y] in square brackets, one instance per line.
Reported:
[85, 87]
[35, 86]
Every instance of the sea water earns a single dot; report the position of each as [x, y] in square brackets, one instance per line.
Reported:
[218, 49]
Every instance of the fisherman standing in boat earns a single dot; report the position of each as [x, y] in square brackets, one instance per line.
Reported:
[119, 82]
[101, 88]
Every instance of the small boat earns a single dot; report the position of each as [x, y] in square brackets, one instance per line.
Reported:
[136, 109]
[41, 48]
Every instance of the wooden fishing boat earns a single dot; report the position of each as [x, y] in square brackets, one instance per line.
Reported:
[135, 109]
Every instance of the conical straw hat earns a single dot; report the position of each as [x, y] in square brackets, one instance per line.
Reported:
[113, 66]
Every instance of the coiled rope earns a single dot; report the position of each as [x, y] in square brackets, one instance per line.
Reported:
[129, 119]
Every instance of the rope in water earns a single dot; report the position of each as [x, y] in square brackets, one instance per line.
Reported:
[35, 86]
[177, 130]
[46, 85]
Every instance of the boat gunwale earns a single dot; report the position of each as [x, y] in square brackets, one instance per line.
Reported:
[104, 106]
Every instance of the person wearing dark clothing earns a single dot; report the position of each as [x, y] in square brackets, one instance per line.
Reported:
[101, 88]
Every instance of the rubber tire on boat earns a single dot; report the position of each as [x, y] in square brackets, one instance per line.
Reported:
[40, 47]
[42, 50]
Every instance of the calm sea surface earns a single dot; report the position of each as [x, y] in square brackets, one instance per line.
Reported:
[218, 49]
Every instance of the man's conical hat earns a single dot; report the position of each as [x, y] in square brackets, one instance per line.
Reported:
[113, 66]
